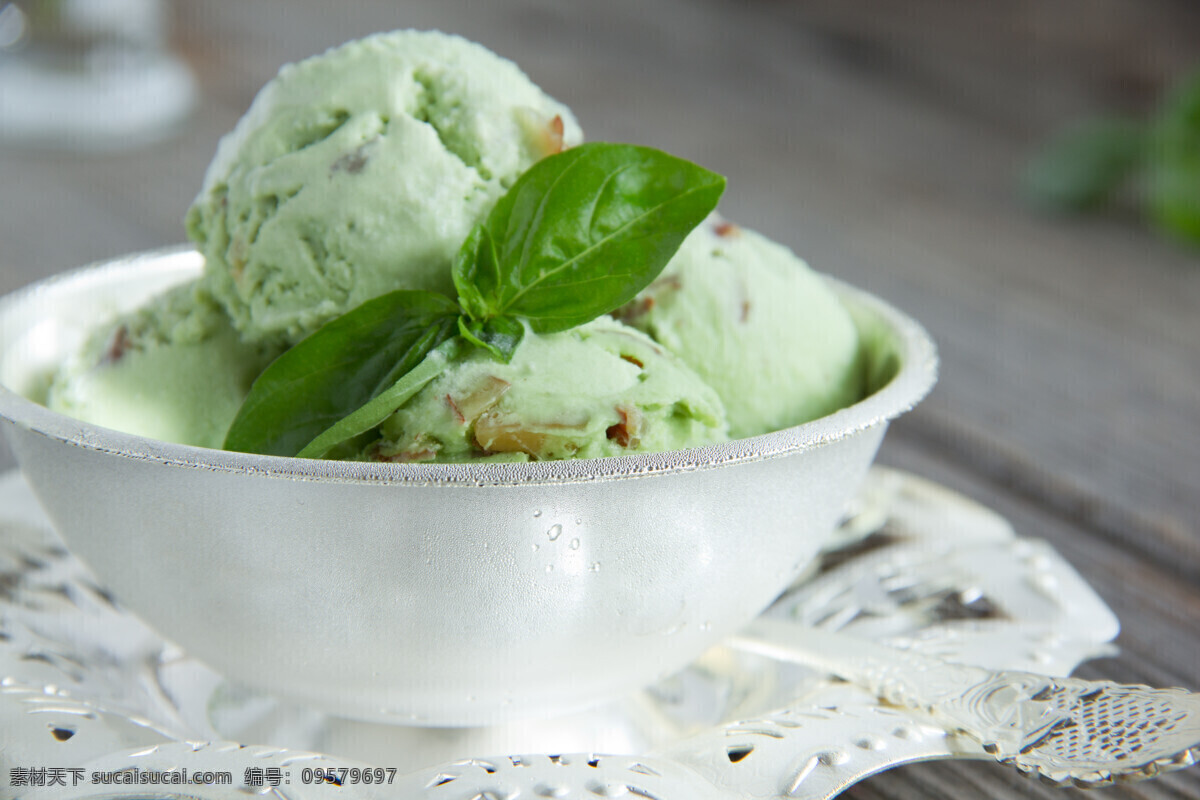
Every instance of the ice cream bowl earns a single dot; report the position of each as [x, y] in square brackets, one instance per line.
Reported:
[435, 594]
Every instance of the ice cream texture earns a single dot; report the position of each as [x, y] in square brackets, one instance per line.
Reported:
[757, 324]
[174, 370]
[361, 171]
[601, 389]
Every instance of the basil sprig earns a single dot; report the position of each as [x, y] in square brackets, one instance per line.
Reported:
[578, 235]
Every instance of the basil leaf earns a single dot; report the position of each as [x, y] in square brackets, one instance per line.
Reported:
[385, 404]
[498, 335]
[476, 274]
[581, 232]
[338, 369]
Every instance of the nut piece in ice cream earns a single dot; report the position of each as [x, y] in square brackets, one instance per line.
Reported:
[757, 324]
[602, 389]
[361, 171]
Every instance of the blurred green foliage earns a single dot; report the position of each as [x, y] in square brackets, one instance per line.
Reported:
[1083, 167]
[1155, 162]
[1173, 163]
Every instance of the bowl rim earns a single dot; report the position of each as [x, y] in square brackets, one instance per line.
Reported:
[912, 382]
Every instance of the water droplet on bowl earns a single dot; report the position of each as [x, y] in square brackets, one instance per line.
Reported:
[554, 532]
[574, 544]
[595, 567]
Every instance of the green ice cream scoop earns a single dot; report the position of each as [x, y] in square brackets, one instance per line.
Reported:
[173, 370]
[757, 324]
[361, 171]
[601, 389]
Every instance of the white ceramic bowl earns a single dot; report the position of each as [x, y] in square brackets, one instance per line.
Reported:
[434, 594]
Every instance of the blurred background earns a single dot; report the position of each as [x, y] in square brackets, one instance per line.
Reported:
[885, 143]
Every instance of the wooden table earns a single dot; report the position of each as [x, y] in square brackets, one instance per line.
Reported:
[883, 149]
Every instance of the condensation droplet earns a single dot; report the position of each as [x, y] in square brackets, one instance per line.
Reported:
[536, 547]
[549, 568]
[574, 544]
[579, 520]
[537, 513]
[554, 532]
[595, 567]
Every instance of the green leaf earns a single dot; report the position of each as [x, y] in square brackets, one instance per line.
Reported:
[1173, 180]
[498, 335]
[581, 232]
[338, 369]
[476, 274]
[1083, 167]
[385, 404]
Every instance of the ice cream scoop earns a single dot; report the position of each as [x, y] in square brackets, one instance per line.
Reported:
[361, 171]
[602, 389]
[758, 325]
[174, 369]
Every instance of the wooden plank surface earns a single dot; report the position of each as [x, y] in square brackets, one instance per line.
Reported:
[883, 148]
